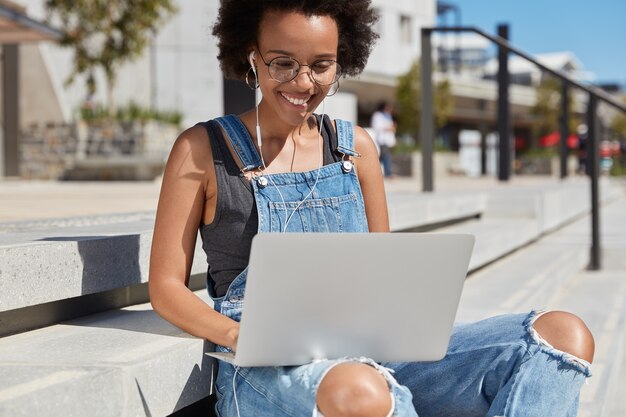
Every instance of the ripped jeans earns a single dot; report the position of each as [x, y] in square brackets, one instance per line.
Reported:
[494, 367]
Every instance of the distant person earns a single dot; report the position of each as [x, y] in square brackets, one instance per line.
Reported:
[385, 135]
[583, 167]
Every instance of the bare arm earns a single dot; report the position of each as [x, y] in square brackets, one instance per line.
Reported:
[372, 184]
[187, 177]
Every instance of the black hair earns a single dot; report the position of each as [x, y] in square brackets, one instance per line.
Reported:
[237, 29]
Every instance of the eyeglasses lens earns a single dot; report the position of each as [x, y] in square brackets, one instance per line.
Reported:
[285, 69]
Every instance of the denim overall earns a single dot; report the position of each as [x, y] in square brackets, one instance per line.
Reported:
[496, 367]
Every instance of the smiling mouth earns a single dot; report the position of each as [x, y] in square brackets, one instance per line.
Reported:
[296, 101]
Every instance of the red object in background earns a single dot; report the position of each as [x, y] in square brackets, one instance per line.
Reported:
[520, 143]
[606, 150]
[554, 138]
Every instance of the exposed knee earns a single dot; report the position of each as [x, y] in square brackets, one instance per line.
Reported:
[354, 389]
[566, 332]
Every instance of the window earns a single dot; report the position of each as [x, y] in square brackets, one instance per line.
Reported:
[406, 29]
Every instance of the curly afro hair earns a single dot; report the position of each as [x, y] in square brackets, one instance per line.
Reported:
[237, 28]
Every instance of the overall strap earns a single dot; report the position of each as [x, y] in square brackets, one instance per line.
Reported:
[345, 137]
[240, 140]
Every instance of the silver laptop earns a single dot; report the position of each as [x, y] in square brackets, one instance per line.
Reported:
[385, 296]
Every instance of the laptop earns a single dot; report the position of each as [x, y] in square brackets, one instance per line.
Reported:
[386, 296]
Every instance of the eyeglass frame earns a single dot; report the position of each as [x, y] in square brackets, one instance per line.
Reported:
[338, 73]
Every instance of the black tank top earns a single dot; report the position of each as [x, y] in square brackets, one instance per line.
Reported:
[227, 240]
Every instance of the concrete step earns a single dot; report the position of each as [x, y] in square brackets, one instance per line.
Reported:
[127, 362]
[412, 210]
[550, 274]
[56, 259]
[496, 238]
[600, 298]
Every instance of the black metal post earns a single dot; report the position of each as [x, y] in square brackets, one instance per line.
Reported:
[427, 127]
[593, 159]
[11, 109]
[504, 116]
[563, 151]
[483, 148]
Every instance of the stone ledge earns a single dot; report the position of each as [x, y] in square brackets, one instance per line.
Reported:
[127, 362]
[76, 262]
[54, 260]
[413, 210]
[495, 238]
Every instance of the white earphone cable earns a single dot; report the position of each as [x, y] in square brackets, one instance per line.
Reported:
[321, 162]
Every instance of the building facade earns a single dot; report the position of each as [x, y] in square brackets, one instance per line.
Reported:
[180, 72]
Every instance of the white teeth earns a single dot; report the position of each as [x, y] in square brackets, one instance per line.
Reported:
[296, 101]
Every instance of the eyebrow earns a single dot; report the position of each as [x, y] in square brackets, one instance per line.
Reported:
[283, 52]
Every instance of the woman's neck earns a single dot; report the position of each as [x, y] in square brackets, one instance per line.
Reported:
[274, 128]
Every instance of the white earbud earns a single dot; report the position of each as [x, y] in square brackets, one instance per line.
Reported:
[251, 60]
[258, 128]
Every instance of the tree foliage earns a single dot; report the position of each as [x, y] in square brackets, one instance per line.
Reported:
[547, 108]
[408, 97]
[106, 33]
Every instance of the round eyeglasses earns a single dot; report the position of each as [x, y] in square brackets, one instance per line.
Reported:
[284, 69]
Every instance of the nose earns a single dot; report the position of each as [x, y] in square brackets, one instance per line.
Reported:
[308, 79]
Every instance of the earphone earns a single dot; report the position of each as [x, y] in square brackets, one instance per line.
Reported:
[256, 101]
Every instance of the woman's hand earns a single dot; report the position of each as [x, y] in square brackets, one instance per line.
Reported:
[233, 335]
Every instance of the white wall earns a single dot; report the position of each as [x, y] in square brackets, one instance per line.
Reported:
[187, 76]
[187, 71]
[390, 56]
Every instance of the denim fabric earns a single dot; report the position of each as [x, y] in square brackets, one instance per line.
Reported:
[495, 367]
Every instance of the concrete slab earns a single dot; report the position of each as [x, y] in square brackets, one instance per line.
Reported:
[550, 274]
[147, 366]
[408, 210]
[57, 259]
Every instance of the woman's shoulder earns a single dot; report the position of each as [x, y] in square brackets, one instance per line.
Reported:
[191, 151]
[363, 142]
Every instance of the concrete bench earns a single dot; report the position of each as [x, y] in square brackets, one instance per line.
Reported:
[115, 168]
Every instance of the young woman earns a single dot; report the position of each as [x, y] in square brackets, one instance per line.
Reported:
[283, 168]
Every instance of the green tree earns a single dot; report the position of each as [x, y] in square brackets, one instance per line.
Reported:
[106, 33]
[547, 108]
[408, 98]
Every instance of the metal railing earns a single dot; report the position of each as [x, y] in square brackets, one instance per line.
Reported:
[427, 131]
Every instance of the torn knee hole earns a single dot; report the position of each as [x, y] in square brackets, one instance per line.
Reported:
[349, 388]
[566, 333]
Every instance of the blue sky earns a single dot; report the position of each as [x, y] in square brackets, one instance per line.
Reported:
[595, 31]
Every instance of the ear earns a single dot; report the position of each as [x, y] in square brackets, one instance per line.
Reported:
[251, 58]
